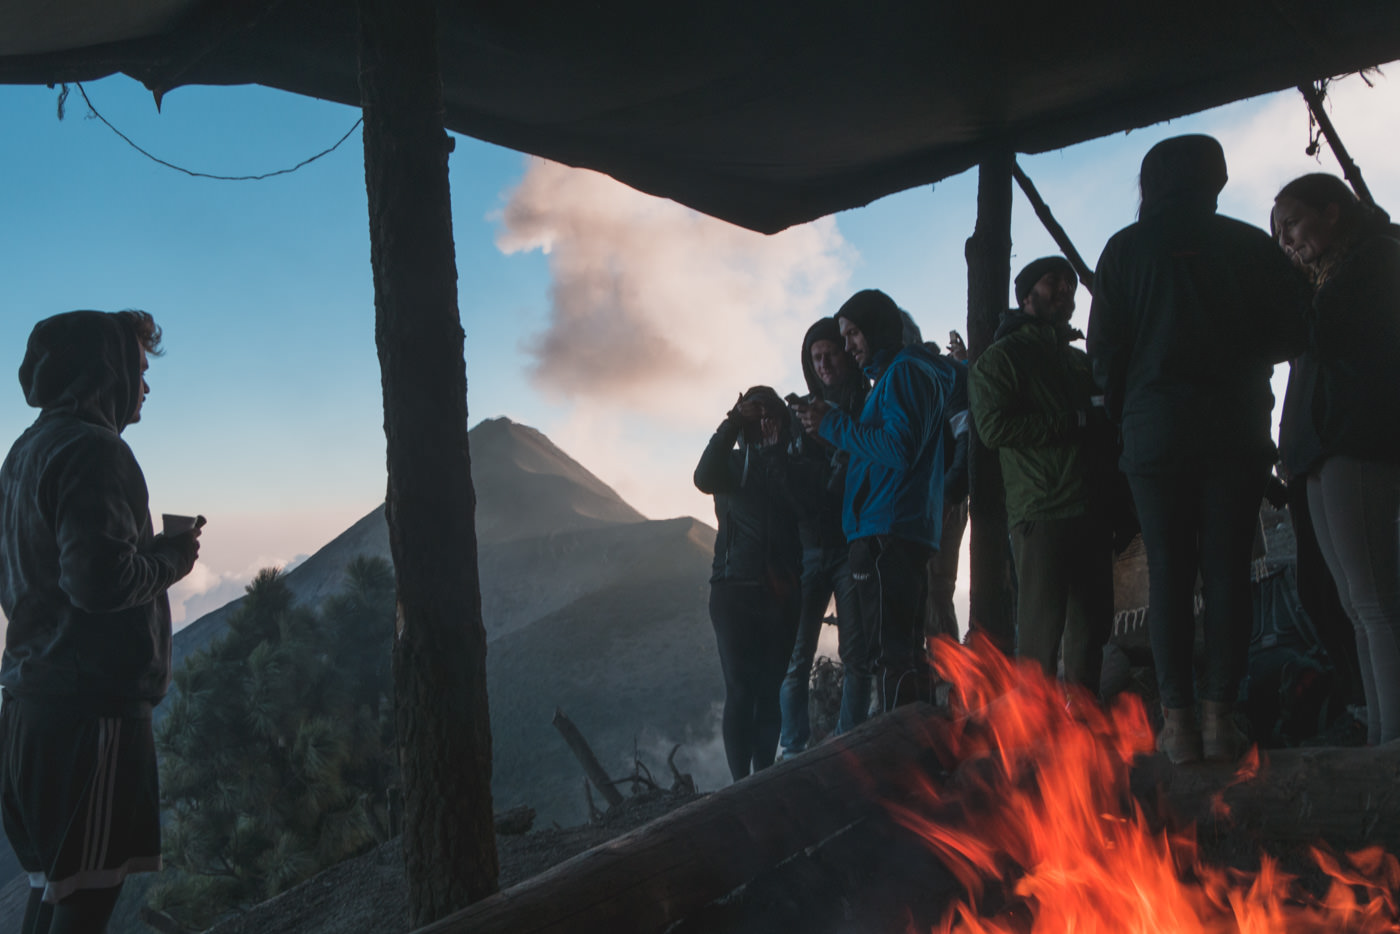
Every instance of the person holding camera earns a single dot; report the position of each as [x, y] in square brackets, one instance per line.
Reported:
[755, 590]
[832, 375]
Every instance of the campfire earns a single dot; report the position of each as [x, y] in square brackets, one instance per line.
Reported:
[1016, 809]
[1039, 825]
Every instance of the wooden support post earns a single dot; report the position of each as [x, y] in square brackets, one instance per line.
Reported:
[988, 252]
[443, 725]
[1057, 233]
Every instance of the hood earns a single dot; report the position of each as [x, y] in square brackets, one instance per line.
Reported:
[1014, 319]
[85, 363]
[848, 396]
[879, 319]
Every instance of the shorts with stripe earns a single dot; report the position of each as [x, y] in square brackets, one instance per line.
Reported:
[80, 795]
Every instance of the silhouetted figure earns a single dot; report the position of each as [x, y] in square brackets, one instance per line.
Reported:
[1032, 399]
[1341, 418]
[831, 374]
[1190, 311]
[755, 583]
[83, 580]
[893, 506]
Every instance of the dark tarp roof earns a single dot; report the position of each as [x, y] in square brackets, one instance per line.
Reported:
[763, 112]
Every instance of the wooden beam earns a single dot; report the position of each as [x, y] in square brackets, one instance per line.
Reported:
[1350, 169]
[988, 252]
[444, 729]
[1052, 226]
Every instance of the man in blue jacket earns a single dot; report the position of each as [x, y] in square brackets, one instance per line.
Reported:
[892, 511]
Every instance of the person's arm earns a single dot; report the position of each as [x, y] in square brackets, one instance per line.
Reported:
[1360, 332]
[1110, 338]
[908, 403]
[997, 410]
[715, 472]
[102, 566]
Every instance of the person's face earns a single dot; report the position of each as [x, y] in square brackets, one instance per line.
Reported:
[830, 361]
[856, 344]
[1305, 233]
[145, 388]
[1052, 297]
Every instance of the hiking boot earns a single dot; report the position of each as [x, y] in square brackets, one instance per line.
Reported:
[1221, 739]
[1180, 738]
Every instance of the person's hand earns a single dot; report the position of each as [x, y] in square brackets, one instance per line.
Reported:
[181, 550]
[956, 348]
[810, 414]
[749, 410]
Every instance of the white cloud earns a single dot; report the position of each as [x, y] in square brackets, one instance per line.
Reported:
[660, 310]
[204, 590]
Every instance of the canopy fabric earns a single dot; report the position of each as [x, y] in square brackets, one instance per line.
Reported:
[765, 113]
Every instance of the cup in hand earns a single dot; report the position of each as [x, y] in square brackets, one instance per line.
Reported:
[173, 525]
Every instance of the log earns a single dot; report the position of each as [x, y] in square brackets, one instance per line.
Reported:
[584, 753]
[1349, 798]
[670, 869]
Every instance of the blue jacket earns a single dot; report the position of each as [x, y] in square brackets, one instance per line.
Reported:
[894, 483]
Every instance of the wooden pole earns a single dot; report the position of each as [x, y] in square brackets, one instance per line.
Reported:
[439, 660]
[584, 753]
[1042, 211]
[988, 252]
[1350, 169]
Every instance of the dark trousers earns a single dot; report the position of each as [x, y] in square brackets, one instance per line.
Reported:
[754, 629]
[891, 577]
[1064, 574]
[1317, 592]
[826, 572]
[1199, 523]
[940, 617]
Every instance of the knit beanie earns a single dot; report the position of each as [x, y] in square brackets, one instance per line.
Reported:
[1036, 270]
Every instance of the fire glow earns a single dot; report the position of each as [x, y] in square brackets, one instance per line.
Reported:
[1040, 827]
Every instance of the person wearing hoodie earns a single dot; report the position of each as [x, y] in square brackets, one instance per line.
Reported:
[755, 584]
[831, 374]
[893, 502]
[1032, 400]
[83, 582]
[1191, 310]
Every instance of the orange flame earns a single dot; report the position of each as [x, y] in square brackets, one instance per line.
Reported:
[1041, 793]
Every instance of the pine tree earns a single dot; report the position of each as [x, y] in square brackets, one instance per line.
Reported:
[275, 755]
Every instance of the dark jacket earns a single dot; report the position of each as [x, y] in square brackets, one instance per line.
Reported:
[756, 507]
[819, 523]
[957, 436]
[82, 580]
[1031, 400]
[894, 483]
[1190, 311]
[1344, 392]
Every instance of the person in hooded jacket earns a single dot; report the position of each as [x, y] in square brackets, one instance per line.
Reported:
[831, 374]
[893, 503]
[755, 583]
[1032, 399]
[1340, 432]
[1191, 310]
[83, 582]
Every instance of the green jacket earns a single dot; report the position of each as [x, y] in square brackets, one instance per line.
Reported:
[1030, 399]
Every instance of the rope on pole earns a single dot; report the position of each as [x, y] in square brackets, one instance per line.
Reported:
[1313, 93]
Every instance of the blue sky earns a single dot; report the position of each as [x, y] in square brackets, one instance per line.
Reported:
[265, 413]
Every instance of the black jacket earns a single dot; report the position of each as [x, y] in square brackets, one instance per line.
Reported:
[82, 581]
[1190, 311]
[824, 467]
[756, 504]
[1344, 392]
